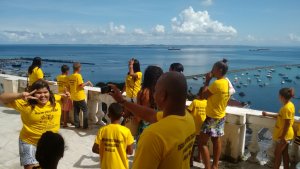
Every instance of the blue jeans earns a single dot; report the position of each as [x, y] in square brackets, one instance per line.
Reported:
[80, 105]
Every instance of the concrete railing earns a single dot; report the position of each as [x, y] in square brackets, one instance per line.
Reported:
[237, 143]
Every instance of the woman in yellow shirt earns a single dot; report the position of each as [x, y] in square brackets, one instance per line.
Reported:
[34, 71]
[40, 111]
[133, 80]
[283, 131]
[217, 95]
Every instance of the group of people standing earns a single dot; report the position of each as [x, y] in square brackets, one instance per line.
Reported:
[167, 128]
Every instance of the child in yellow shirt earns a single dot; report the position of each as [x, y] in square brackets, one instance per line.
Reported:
[113, 142]
[197, 109]
[78, 96]
[283, 131]
[63, 86]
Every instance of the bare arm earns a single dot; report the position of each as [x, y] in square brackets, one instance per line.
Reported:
[131, 72]
[143, 112]
[129, 149]
[6, 98]
[206, 93]
[88, 83]
[287, 123]
[266, 114]
[95, 148]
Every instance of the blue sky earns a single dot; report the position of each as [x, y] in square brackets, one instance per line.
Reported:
[199, 22]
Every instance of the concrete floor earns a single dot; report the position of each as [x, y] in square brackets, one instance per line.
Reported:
[79, 143]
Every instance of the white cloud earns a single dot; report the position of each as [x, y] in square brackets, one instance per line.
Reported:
[19, 36]
[116, 29]
[294, 37]
[159, 29]
[192, 22]
[138, 31]
[207, 2]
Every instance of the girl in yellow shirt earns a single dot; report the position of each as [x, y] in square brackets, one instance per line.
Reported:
[133, 80]
[34, 71]
[40, 112]
[217, 95]
[283, 131]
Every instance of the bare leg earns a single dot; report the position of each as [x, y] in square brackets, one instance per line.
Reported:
[278, 154]
[30, 166]
[217, 147]
[204, 150]
[285, 155]
[65, 118]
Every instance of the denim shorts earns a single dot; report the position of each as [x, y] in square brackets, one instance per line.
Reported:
[27, 153]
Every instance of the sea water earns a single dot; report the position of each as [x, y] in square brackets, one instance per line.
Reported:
[111, 64]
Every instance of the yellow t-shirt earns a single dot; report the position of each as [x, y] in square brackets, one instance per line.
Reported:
[37, 73]
[286, 112]
[77, 92]
[37, 120]
[133, 86]
[159, 115]
[197, 109]
[217, 102]
[166, 144]
[113, 140]
[62, 82]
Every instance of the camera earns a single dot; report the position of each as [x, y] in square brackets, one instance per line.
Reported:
[105, 89]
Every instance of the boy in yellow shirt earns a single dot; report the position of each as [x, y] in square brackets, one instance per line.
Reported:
[113, 142]
[63, 86]
[78, 96]
[198, 110]
[283, 130]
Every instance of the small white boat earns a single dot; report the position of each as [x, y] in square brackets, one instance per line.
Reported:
[258, 80]
[283, 82]
[195, 78]
[269, 76]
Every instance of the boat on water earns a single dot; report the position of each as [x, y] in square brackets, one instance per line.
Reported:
[238, 86]
[283, 82]
[195, 78]
[269, 76]
[298, 77]
[289, 80]
[242, 94]
[173, 48]
[259, 70]
[245, 85]
[16, 64]
[273, 70]
[281, 74]
[258, 80]
[288, 68]
[285, 77]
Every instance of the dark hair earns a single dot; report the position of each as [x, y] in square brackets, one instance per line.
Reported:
[178, 67]
[222, 65]
[64, 68]
[287, 93]
[39, 84]
[36, 62]
[76, 66]
[50, 149]
[115, 111]
[152, 74]
[200, 91]
[136, 66]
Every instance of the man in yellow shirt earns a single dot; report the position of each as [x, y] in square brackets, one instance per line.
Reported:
[168, 142]
[78, 96]
[113, 142]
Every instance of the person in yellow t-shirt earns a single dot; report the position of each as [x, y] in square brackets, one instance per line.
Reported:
[40, 111]
[297, 138]
[63, 86]
[198, 110]
[78, 96]
[114, 142]
[283, 132]
[167, 143]
[133, 80]
[34, 71]
[217, 95]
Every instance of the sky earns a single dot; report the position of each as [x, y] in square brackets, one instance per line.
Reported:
[170, 22]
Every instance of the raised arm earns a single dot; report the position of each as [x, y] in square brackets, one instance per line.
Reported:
[145, 113]
[7, 98]
[206, 93]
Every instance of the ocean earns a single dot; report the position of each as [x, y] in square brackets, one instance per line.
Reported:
[110, 65]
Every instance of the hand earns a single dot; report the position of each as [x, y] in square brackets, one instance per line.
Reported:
[28, 96]
[116, 94]
[66, 94]
[90, 83]
[264, 113]
[282, 140]
[208, 76]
